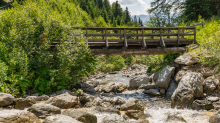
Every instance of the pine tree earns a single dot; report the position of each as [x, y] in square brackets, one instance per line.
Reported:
[127, 16]
[135, 19]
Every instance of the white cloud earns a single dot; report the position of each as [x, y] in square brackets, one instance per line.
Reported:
[136, 7]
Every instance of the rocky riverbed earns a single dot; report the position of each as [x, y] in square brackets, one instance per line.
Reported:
[183, 92]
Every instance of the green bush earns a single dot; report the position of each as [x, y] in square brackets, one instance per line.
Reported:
[32, 61]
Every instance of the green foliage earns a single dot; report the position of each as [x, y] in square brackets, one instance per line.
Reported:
[29, 61]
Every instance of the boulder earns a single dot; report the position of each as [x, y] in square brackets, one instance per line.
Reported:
[107, 109]
[42, 110]
[153, 92]
[87, 88]
[60, 119]
[172, 87]
[179, 75]
[172, 118]
[64, 101]
[6, 99]
[190, 87]
[210, 84]
[136, 114]
[164, 78]
[118, 100]
[112, 87]
[113, 118]
[132, 104]
[213, 99]
[63, 92]
[38, 98]
[137, 81]
[186, 59]
[215, 118]
[22, 103]
[147, 86]
[17, 116]
[202, 105]
[80, 115]
[84, 98]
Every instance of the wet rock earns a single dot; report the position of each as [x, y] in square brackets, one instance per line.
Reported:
[96, 102]
[162, 91]
[42, 110]
[84, 98]
[202, 104]
[172, 118]
[153, 92]
[140, 121]
[17, 116]
[87, 88]
[147, 86]
[132, 104]
[213, 99]
[6, 99]
[93, 83]
[63, 92]
[155, 76]
[80, 115]
[172, 87]
[164, 78]
[112, 87]
[118, 100]
[113, 118]
[60, 119]
[137, 81]
[190, 87]
[186, 59]
[136, 114]
[38, 98]
[210, 84]
[107, 109]
[22, 103]
[63, 101]
[215, 118]
[179, 75]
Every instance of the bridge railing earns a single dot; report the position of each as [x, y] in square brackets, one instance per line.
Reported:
[157, 36]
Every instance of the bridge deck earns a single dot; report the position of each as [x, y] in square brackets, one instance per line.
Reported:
[138, 41]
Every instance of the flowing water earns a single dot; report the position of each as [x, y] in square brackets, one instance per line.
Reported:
[158, 107]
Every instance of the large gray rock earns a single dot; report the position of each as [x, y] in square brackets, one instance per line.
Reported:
[87, 88]
[137, 81]
[17, 116]
[80, 115]
[84, 98]
[112, 87]
[60, 119]
[113, 118]
[6, 99]
[190, 87]
[172, 87]
[215, 118]
[210, 84]
[22, 103]
[132, 104]
[179, 75]
[64, 101]
[164, 78]
[38, 98]
[186, 59]
[202, 104]
[42, 110]
[153, 92]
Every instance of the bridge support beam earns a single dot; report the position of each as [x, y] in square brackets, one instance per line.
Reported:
[153, 51]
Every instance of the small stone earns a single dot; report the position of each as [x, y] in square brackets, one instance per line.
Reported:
[162, 91]
[153, 92]
[213, 99]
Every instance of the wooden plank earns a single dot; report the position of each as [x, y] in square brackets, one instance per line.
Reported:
[132, 28]
[148, 34]
[140, 40]
[160, 36]
[195, 35]
[125, 40]
[106, 39]
[169, 35]
[144, 43]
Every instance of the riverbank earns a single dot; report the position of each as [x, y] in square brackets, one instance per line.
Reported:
[184, 91]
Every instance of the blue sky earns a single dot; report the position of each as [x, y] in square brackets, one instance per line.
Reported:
[136, 7]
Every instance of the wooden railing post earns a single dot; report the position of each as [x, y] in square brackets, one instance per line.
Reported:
[125, 43]
[160, 36]
[195, 35]
[144, 43]
[152, 37]
[178, 37]
[168, 33]
[103, 35]
[183, 33]
[87, 41]
[137, 36]
[106, 39]
[120, 35]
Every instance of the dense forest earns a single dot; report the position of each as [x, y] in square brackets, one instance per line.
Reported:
[28, 63]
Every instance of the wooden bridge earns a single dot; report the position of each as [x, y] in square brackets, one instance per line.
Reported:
[138, 41]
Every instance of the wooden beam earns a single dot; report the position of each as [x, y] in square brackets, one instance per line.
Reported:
[106, 39]
[125, 40]
[144, 43]
[195, 35]
[152, 51]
